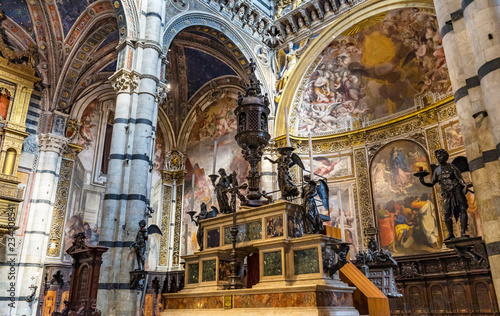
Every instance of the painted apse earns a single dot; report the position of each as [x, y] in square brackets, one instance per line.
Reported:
[216, 121]
[387, 65]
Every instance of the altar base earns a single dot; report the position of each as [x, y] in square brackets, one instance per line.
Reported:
[296, 300]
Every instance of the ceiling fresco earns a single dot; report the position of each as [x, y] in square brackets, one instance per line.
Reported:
[201, 68]
[18, 11]
[383, 67]
[70, 10]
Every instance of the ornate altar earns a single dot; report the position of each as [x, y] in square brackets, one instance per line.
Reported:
[286, 271]
[16, 87]
[84, 282]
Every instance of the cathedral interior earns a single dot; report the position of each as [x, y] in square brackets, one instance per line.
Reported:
[260, 157]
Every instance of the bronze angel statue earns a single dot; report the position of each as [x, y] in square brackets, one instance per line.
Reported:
[285, 161]
[140, 243]
[312, 219]
[453, 187]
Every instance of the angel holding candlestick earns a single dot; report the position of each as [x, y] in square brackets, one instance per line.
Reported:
[287, 160]
[313, 223]
[454, 188]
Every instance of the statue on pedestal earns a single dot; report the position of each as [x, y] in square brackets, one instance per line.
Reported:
[312, 220]
[286, 160]
[221, 188]
[202, 215]
[140, 243]
[454, 189]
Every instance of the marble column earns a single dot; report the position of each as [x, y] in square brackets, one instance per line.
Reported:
[36, 239]
[128, 179]
[478, 134]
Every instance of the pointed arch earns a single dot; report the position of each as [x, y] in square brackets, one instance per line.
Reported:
[195, 18]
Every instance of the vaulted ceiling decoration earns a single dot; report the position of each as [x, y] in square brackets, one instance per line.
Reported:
[199, 56]
[75, 43]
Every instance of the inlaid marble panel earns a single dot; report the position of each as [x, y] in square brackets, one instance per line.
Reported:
[306, 261]
[193, 273]
[194, 302]
[208, 270]
[272, 263]
[213, 238]
[295, 228]
[274, 226]
[224, 270]
[246, 232]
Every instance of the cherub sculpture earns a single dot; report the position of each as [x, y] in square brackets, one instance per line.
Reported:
[453, 187]
[285, 161]
[140, 243]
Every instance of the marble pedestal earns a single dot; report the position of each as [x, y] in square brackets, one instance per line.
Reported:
[292, 279]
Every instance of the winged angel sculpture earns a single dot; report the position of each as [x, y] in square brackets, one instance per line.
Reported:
[139, 244]
[285, 161]
[454, 189]
[284, 63]
[313, 221]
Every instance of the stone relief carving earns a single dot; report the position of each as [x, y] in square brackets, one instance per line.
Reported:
[125, 82]
[175, 160]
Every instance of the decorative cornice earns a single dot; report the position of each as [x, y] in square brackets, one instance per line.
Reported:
[145, 44]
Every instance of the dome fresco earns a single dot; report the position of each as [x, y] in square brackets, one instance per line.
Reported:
[385, 66]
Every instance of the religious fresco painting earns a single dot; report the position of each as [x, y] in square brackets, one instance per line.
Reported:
[4, 102]
[405, 210]
[452, 135]
[475, 228]
[350, 223]
[389, 63]
[216, 122]
[331, 166]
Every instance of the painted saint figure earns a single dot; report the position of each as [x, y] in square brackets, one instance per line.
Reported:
[454, 190]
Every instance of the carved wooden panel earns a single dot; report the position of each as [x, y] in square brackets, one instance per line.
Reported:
[442, 284]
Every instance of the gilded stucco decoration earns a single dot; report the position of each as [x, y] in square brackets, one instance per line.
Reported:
[165, 224]
[61, 202]
[364, 192]
[175, 160]
[177, 225]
